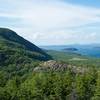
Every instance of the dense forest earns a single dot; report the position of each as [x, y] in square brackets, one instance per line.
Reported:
[30, 73]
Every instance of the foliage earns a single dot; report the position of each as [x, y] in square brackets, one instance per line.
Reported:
[18, 80]
[52, 86]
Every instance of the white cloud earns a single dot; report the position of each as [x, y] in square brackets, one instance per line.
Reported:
[48, 20]
[67, 38]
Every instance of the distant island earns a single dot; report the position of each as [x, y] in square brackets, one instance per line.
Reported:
[97, 47]
[70, 49]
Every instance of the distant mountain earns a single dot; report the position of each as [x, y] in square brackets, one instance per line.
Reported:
[11, 43]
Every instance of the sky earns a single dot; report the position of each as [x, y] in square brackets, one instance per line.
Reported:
[53, 22]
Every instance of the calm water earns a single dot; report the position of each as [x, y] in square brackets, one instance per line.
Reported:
[89, 50]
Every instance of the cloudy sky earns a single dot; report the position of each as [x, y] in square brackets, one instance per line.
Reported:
[53, 22]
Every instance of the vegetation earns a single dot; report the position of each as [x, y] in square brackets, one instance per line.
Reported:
[51, 86]
[15, 56]
[9, 38]
[19, 80]
[75, 59]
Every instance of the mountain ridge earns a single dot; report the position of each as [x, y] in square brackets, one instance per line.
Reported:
[11, 37]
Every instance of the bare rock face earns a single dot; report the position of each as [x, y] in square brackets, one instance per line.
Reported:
[52, 65]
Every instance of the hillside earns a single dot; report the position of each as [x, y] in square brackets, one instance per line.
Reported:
[17, 55]
[28, 73]
[10, 39]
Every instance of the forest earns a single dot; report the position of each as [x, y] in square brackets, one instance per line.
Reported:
[21, 79]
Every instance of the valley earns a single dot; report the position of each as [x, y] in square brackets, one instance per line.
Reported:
[28, 72]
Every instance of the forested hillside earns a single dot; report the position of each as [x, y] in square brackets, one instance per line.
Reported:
[10, 39]
[18, 55]
[29, 73]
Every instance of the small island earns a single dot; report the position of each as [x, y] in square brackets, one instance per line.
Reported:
[70, 49]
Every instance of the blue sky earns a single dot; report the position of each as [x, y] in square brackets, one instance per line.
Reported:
[53, 22]
[92, 3]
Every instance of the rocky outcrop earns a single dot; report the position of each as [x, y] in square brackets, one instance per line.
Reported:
[53, 65]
